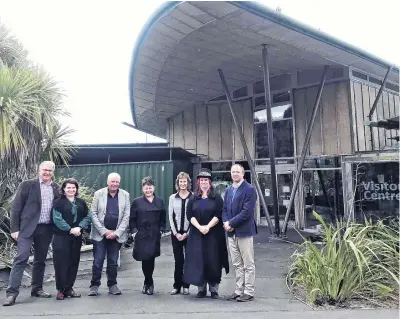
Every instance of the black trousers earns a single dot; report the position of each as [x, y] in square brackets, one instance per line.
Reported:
[41, 239]
[66, 257]
[148, 270]
[179, 248]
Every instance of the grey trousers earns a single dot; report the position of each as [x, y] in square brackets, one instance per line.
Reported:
[41, 240]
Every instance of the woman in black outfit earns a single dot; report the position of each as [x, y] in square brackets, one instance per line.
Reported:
[148, 217]
[206, 252]
[70, 217]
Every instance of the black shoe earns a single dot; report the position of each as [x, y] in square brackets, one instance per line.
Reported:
[150, 290]
[10, 300]
[144, 289]
[40, 294]
[214, 295]
[201, 294]
[72, 293]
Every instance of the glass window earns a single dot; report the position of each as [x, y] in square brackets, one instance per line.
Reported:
[322, 162]
[278, 113]
[281, 97]
[377, 190]
[283, 139]
[284, 185]
[323, 193]
[242, 92]
[221, 181]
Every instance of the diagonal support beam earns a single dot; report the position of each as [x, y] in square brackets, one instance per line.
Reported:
[271, 148]
[305, 148]
[378, 96]
[246, 150]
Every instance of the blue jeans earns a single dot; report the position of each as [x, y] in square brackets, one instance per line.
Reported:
[100, 250]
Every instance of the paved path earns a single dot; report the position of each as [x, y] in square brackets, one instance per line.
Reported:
[272, 297]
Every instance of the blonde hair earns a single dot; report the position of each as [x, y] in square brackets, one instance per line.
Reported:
[183, 175]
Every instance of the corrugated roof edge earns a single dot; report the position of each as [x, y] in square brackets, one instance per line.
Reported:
[263, 12]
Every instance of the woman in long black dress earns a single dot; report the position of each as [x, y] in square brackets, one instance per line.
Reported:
[148, 217]
[206, 252]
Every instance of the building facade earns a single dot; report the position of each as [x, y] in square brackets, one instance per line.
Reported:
[352, 164]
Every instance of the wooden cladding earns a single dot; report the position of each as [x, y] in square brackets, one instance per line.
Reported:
[367, 138]
[331, 130]
[209, 131]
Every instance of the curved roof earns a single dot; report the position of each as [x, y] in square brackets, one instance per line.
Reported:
[176, 57]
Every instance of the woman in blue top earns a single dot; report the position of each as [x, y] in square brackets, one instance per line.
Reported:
[70, 217]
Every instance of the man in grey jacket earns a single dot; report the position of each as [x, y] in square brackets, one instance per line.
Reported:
[110, 220]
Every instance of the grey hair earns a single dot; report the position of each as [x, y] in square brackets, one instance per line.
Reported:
[113, 175]
[47, 163]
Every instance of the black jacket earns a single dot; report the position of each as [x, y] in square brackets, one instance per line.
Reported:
[67, 215]
[149, 220]
[26, 207]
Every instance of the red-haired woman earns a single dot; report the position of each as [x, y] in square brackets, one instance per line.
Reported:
[206, 252]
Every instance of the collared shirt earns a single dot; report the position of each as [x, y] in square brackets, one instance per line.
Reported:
[112, 212]
[235, 188]
[47, 195]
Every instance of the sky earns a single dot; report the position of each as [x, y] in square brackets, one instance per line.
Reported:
[87, 46]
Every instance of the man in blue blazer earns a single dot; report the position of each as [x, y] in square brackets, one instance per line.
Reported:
[238, 217]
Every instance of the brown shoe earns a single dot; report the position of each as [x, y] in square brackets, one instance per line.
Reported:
[40, 294]
[245, 298]
[10, 300]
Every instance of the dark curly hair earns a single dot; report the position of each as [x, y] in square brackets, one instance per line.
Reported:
[69, 181]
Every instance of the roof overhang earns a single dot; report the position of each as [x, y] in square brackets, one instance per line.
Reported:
[123, 153]
[176, 57]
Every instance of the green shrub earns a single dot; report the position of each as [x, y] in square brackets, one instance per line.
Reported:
[355, 261]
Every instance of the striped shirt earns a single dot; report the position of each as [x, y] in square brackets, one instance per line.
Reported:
[47, 195]
[177, 213]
